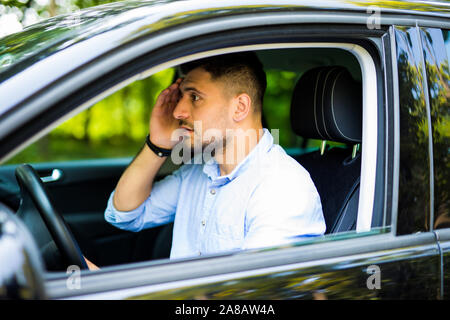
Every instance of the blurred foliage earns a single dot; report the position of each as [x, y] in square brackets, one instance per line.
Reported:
[413, 206]
[17, 14]
[90, 3]
[277, 104]
[414, 185]
[117, 125]
[438, 73]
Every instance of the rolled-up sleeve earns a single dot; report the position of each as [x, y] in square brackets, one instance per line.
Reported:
[158, 209]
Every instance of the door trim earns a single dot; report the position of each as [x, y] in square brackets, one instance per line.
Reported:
[118, 282]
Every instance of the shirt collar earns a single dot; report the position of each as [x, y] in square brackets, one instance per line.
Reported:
[212, 170]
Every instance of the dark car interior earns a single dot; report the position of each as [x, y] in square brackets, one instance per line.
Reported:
[325, 106]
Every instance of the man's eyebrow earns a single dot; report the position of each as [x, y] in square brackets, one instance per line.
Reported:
[183, 88]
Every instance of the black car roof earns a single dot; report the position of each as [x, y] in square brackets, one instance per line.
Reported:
[22, 50]
[54, 34]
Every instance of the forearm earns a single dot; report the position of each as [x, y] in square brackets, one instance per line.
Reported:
[136, 182]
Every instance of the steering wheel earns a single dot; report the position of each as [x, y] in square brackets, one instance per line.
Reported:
[36, 207]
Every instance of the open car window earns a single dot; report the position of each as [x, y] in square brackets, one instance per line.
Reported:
[93, 147]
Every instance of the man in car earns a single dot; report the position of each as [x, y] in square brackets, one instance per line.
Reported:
[240, 190]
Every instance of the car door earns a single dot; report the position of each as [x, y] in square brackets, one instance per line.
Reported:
[397, 258]
[436, 47]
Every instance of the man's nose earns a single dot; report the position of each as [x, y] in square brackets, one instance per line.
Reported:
[181, 110]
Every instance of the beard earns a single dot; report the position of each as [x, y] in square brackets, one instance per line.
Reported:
[201, 143]
[201, 151]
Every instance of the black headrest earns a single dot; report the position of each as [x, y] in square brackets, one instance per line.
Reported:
[327, 105]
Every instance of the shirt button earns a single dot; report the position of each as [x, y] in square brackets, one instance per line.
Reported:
[203, 223]
[199, 253]
[213, 191]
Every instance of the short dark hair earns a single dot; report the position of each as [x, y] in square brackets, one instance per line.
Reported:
[242, 72]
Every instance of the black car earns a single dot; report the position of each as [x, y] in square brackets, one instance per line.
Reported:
[363, 106]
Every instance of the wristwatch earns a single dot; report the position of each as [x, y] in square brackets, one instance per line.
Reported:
[160, 152]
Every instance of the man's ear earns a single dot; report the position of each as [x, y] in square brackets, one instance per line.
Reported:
[242, 108]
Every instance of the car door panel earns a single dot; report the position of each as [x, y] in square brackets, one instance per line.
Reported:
[443, 236]
[414, 163]
[438, 80]
[404, 273]
[408, 269]
[80, 195]
[408, 258]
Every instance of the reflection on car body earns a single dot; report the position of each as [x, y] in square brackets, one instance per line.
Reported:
[384, 190]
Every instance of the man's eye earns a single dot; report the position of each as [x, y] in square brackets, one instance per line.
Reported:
[195, 97]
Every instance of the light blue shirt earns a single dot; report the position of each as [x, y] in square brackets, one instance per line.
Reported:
[268, 199]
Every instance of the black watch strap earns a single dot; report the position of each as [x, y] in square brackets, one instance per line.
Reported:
[160, 152]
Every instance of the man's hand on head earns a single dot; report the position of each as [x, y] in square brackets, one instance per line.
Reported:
[162, 121]
[136, 183]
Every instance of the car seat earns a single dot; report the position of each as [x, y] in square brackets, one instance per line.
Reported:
[327, 105]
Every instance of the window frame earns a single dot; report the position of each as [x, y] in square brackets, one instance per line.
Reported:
[130, 72]
[370, 111]
[370, 137]
[364, 228]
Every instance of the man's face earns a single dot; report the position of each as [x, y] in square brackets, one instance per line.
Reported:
[203, 106]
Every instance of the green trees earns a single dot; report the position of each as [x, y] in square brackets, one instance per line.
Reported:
[114, 127]
[117, 125]
[17, 14]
